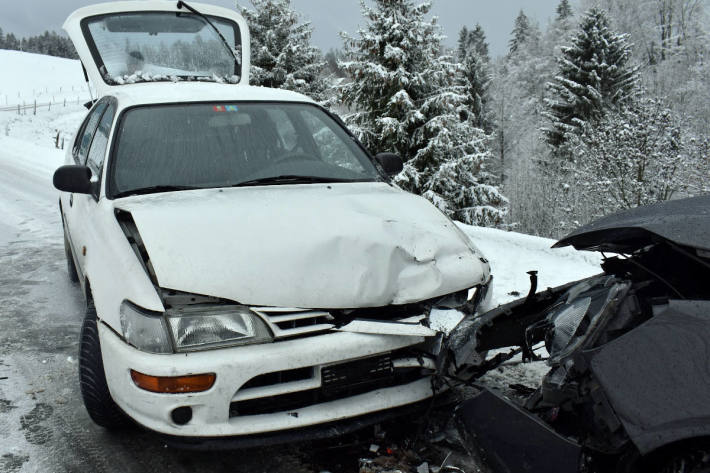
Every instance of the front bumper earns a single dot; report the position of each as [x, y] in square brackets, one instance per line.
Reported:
[213, 413]
[513, 439]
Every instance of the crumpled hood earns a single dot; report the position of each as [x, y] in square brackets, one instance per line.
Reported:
[310, 246]
[684, 222]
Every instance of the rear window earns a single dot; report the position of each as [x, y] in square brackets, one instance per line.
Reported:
[156, 46]
[222, 145]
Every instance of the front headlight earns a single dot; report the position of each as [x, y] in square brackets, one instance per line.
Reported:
[579, 313]
[196, 327]
[191, 327]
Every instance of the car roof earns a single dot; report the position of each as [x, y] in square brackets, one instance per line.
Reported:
[153, 93]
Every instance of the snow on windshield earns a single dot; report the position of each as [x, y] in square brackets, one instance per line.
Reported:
[160, 46]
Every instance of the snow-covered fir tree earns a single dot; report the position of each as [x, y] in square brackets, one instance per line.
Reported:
[593, 73]
[463, 42]
[409, 100]
[473, 40]
[560, 30]
[281, 52]
[563, 10]
[520, 33]
[476, 77]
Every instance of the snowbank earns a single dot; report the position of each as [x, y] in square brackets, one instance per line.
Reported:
[512, 255]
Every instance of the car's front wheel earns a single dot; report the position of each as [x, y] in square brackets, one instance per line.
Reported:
[94, 390]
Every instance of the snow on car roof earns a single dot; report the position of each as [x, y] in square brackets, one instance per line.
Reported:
[146, 93]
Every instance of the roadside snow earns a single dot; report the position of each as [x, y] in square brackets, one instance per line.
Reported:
[512, 255]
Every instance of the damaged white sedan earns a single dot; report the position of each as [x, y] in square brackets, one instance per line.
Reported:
[250, 272]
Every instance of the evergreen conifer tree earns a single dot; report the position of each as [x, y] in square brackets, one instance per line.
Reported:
[475, 80]
[475, 74]
[281, 53]
[479, 43]
[520, 33]
[564, 10]
[593, 73]
[463, 42]
[473, 40]
[409, 100]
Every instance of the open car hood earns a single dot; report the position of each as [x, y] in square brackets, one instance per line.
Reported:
[685, 222]
[328, 246]
[106, 35]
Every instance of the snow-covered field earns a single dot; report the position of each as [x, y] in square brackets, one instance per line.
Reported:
[27, 77]
[29, 221]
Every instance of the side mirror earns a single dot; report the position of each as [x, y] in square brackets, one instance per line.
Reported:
[73, 178]
[391, 163]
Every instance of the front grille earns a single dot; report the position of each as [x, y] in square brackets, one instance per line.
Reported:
[279, 377]
[338, 382]
[295, 322]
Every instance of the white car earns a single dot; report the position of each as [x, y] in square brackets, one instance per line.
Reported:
[249, 269]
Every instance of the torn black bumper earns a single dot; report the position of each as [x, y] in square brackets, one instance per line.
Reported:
[513, 440]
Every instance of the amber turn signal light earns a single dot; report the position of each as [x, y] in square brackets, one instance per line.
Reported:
[174, 384]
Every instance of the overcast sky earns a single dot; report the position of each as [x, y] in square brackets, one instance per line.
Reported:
[30, 17]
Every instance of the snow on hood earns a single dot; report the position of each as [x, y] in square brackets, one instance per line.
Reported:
[684, 222]
[311, 246]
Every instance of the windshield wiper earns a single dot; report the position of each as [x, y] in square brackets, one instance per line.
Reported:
[291, 179]
[155, 189]
[181, 4]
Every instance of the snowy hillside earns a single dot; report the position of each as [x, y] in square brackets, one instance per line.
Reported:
[27, 77]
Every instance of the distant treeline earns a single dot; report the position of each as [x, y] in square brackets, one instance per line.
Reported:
[49, 43]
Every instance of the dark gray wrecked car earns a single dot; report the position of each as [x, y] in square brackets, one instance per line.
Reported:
[629, 353]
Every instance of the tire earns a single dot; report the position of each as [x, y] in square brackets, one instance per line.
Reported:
[92, 379]
[690, 456]
[71, 267]
[690, 461]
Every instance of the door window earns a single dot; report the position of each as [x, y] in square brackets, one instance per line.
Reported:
[97, 150]
[81, 146]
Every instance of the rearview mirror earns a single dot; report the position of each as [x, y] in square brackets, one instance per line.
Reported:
[391, 163]
[73, 178]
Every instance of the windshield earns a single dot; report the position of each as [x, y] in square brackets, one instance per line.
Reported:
[173, 147]
[155, 46]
